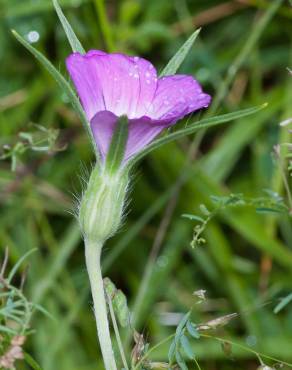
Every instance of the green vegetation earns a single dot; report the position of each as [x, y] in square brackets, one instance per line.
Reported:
[204, 256]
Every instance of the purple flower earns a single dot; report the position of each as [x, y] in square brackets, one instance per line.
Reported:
[111, 85]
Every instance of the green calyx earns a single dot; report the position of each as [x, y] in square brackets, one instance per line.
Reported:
[101, 207]
[116, 152]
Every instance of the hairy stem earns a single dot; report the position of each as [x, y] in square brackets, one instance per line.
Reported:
[92, 255]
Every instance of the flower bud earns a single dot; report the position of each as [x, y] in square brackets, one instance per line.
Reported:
[101, 206]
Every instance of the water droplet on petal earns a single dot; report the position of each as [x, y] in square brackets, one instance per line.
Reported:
[136, 75]
[147, 74]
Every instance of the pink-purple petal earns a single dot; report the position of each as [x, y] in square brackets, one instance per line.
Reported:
[113, 82]
[103, 125]
[141, 132]
[111, 85]
[177, 96]
[83, 73]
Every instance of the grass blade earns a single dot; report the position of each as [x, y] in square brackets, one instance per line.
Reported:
[283, 303]
[176, 61]
[61, 81]
[72, 38]
[31, 362]
[18, 263]
[194, 127]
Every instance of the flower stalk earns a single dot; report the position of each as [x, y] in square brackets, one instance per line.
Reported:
[92, 255]
[100, 215]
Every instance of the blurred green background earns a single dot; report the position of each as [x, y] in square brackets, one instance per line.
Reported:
[241, 59]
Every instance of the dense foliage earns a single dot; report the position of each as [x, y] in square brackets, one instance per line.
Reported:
[232, 247]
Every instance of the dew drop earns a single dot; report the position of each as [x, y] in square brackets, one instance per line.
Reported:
[33, 36]
[147, 74]
[136, 75]
[136, 59]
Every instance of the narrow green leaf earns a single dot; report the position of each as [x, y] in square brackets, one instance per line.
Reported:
[175, 62]
[283, 303]
[191, 328]
[193, 217]
[44, 311]
[119, 302]
[180, 361]
[171, 352]
[204, 210]
[5, 329]
[18, 263]
[31, 362]
[186, 346]
[181, 327]
[118, 144]
[267, 210]
[61, 81]
[72, 38]
[194, 127]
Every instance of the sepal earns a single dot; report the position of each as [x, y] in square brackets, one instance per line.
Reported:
[116, 152]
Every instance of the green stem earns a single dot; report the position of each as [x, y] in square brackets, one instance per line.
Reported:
[92, 255]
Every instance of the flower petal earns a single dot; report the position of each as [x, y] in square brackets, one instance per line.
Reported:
[82, 72]
[177, 96]
[141, 132]
[113, 82]
[103, 125]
